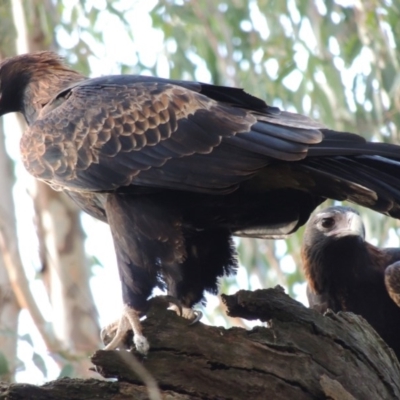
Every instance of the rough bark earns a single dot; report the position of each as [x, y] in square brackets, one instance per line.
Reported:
[300, 355]
[65, 269]
[14, 286]
[9, 307]
[62, 240]
[65, 272]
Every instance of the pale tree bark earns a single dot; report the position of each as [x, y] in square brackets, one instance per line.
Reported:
[65, 266]
[74, 333]
[9, 307]
[15, 291]
[12, 273]
[66, 273]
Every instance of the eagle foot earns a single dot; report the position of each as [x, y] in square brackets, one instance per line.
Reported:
[174, 304]
[193, 316]
[114, 335]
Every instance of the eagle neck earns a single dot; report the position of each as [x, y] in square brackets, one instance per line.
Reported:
[336, 262]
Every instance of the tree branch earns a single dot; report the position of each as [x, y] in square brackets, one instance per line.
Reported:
[303, 355]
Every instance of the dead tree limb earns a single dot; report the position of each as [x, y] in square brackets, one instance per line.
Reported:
[300, 355]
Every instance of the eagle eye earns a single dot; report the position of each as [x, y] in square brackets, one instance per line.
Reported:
[327, 222]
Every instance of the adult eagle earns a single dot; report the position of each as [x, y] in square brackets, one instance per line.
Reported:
[176, 168]
[346, 273]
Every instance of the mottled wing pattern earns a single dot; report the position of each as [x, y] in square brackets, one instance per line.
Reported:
[91, 124]
[100, 135]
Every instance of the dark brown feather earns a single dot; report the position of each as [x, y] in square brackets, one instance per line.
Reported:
[392, 281]
[178, 167]
[346, 273]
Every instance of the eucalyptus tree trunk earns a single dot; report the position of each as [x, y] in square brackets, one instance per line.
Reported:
[9, 307]
[65, 266]
[74, 331]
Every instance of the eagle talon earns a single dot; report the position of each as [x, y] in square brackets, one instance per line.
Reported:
[175, 304]
[188, 313]
[114, 335]
[199, 316]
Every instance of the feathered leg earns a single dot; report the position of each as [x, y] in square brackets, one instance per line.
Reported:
[209, 254]
[137, 285]
[146, 237]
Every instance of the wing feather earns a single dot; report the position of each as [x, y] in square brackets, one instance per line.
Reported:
[109, 132]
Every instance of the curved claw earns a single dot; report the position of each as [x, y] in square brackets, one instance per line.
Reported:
[185, 312]
[115, 334]
[199, 316]
[175, 302]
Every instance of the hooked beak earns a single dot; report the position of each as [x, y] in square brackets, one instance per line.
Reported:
[350, 225]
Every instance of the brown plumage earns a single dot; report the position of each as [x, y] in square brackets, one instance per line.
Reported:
[176, 168]
[346, 273]
[392, 281]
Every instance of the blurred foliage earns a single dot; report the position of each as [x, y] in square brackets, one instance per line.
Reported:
[4, 367]
[66, 371]
[335, 60]
[311, 56]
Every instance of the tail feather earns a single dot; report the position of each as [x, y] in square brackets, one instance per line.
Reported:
[370, 181]
[359, 172]
[344, 148]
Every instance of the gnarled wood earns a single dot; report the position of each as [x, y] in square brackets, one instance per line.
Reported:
[300, 355]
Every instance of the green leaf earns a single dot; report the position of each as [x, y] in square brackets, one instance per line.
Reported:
[27, 338]
[39, 362]
[4, 365]
[66, 371]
